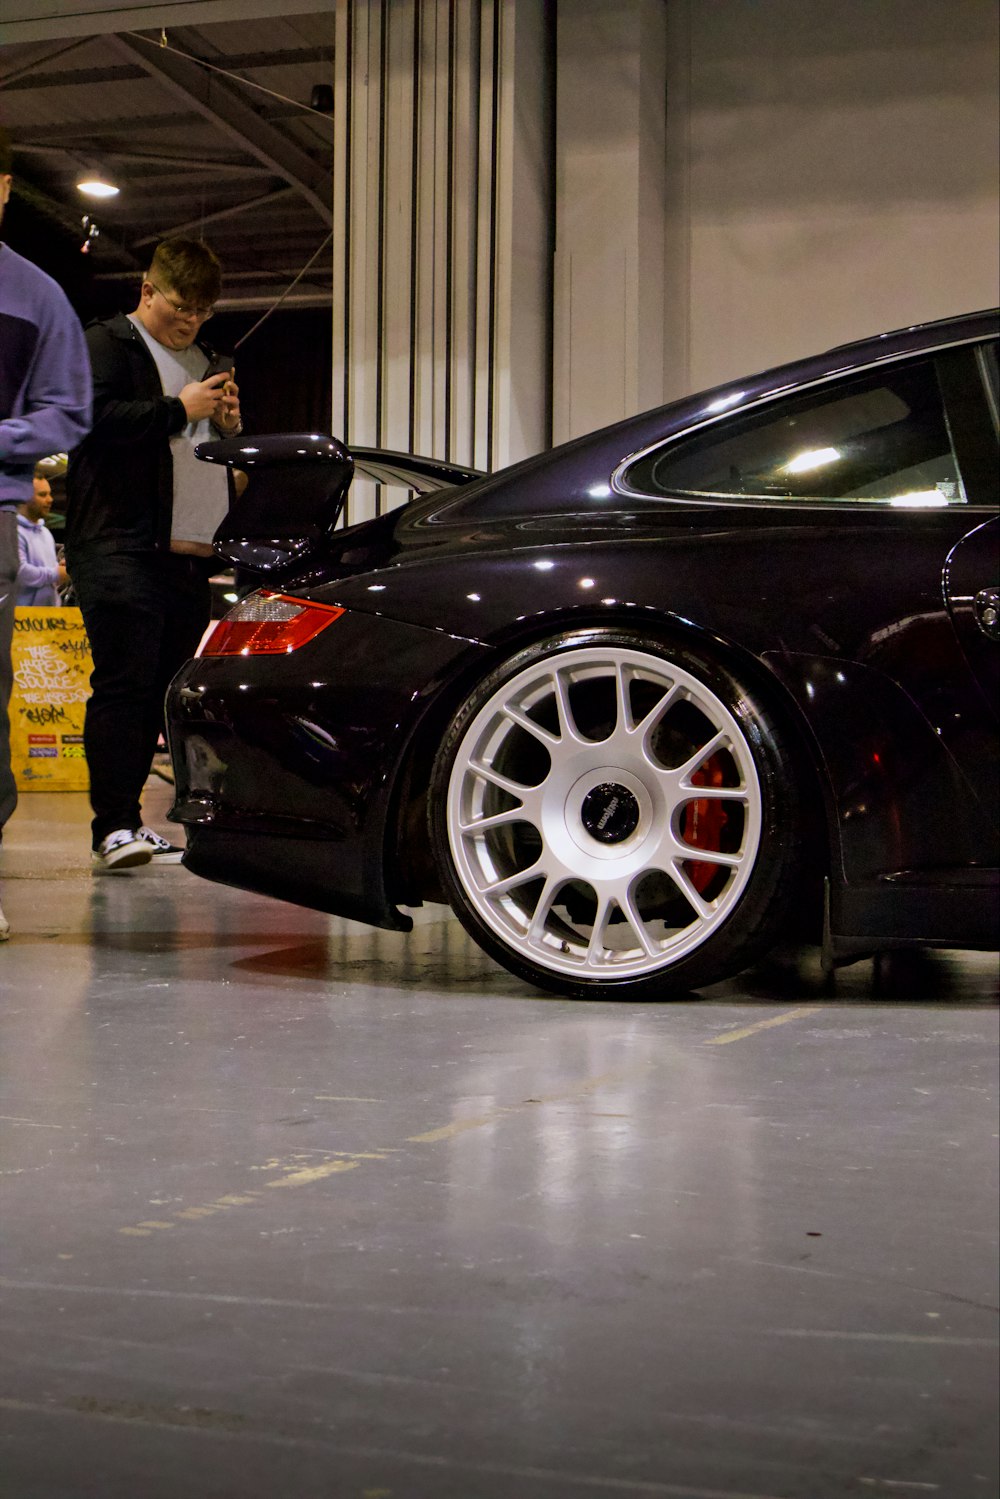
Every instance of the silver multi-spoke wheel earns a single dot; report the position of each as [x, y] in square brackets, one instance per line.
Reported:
[603, 812]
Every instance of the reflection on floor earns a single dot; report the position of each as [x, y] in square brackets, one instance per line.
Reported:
[296, 1208]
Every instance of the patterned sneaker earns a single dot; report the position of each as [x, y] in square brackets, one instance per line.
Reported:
[163, 852]
[123, 849]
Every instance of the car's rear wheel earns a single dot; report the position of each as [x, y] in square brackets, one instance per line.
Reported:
[615, 818]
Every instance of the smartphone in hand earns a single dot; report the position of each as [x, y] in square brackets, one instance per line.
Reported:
[220, 364]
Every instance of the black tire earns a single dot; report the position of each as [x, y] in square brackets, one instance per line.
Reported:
[571, 840]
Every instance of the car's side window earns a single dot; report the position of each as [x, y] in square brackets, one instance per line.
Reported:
[881, 438]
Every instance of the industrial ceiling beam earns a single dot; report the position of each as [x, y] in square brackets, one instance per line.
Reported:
[22, 22]
[266, 299]
[26, 76]
[249, 205]
[125, 127]
[12, 74]
[319, 274]
[220, 104]
[110, 152]
[28, 79]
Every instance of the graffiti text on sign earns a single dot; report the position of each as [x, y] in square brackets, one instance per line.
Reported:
[80, 649]
[43, 677]
[30, 624]
[52, 665]
[49, 714]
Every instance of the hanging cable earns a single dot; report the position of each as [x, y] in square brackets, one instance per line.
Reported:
[200, 62]
[274, 307]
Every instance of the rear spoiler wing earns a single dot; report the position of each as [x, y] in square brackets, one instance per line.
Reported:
[424, 475]
[294, 487]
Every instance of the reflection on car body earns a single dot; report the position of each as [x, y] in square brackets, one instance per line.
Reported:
[638, 707]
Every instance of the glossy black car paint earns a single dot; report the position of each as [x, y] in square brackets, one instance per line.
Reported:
[303, 777]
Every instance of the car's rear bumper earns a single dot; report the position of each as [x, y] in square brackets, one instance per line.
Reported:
[308, 873]
[284, 766]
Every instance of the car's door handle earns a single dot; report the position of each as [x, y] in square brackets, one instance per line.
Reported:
[988, 612]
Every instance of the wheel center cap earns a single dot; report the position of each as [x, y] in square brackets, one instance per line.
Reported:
[610, 812]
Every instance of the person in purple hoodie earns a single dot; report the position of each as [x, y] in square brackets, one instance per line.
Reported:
[41, 574]
[45, 400]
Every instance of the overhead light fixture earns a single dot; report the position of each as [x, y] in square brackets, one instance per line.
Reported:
[96, 185]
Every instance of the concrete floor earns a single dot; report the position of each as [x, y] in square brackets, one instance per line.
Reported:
[294, 1208]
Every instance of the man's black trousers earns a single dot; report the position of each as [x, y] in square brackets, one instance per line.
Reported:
[145, 613]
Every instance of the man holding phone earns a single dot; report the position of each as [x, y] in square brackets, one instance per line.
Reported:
[141, 513]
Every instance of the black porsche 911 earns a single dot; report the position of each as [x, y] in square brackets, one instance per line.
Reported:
[641, 707]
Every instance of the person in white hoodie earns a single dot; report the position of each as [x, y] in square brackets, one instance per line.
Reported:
[40, 574]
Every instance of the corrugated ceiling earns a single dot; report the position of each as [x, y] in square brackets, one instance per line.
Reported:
[194, 151]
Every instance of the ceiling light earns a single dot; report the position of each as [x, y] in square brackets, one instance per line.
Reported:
[96, 185]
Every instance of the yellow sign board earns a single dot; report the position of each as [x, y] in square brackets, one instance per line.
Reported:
[52, 667]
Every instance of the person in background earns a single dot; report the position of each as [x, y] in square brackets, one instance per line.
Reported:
[140, 515]
[41, 574]
[45, 394]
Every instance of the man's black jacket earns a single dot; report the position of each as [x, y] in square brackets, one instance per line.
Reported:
[119, 484]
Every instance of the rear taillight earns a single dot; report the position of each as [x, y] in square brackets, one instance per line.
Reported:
[268, 624]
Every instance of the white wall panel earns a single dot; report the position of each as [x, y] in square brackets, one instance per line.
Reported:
[464, 241]
[833, 172]
[400, 205]
[610, 212]
[485, 233]
[441, 284]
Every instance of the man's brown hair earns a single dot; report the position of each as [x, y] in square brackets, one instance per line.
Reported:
[6, 154]
[190, 267]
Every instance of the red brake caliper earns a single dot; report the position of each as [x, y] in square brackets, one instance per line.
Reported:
[703, 823]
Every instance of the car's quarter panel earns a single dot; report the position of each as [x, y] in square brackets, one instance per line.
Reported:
[792, 589]
[901, 805]
[283, 765]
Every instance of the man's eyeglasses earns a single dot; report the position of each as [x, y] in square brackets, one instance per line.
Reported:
[180, 309]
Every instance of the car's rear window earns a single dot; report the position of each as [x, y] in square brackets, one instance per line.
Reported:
[881, 438]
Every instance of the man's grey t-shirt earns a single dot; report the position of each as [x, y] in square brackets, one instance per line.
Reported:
[201, 490]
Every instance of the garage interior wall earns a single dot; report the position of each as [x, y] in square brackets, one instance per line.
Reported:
[442, 258]
[610, 211]
[832, 171]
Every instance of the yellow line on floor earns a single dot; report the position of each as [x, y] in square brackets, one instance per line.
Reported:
[336, 1162]
[762, 1025]
[310, 1174]
[457, 1127]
